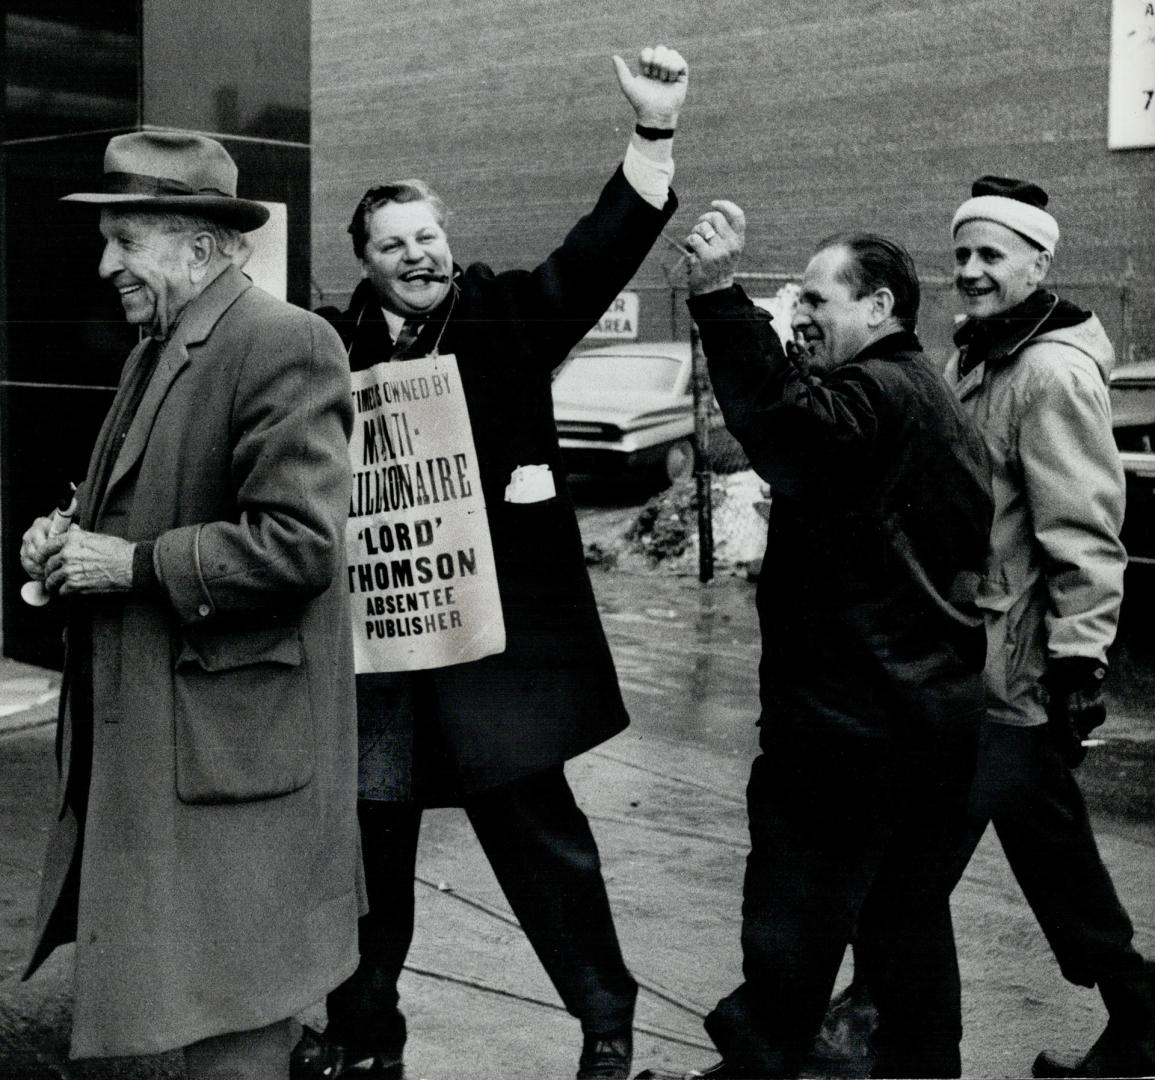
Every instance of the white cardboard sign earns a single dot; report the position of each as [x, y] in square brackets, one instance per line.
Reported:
[421, 575]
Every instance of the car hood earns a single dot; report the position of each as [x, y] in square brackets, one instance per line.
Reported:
[626, 410]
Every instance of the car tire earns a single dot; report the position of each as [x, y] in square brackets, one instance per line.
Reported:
[678, 464]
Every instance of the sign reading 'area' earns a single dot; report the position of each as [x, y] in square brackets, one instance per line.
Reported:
[620, 322]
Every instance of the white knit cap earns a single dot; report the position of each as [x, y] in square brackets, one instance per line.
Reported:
[1032, 222]
[1018, 205]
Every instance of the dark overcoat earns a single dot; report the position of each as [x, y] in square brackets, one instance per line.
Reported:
[878, 531]
[553, 693]
[220, 880]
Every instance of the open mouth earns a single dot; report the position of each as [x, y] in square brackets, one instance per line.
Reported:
[974, 292]
[424, 277]
[128, 290]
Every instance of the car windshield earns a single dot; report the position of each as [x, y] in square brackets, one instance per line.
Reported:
[614, 372]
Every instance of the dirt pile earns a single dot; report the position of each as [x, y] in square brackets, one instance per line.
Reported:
[664, 535]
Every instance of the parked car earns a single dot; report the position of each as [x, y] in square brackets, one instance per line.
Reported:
[628, 408]
[1133, 418]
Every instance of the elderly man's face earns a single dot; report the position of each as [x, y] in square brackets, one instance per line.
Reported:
[149, 267]
[832, 324]
[995, 268]
[407, 257]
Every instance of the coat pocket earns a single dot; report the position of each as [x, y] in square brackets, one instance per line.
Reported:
[1016, 653]
[243, 716]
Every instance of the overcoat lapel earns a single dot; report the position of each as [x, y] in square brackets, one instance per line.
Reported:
[195, 325]
[173, 358]
[89, 497]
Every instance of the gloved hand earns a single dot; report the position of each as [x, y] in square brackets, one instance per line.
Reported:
[1075, 705]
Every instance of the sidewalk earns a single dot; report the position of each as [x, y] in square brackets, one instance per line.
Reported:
[28, 695]
[666, 802]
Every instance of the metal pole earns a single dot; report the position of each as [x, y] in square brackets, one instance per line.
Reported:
[702, 408]
[1127, 350]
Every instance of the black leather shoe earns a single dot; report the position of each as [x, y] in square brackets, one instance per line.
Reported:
[318, 1058]
[607, 1055]
[1112, 1055]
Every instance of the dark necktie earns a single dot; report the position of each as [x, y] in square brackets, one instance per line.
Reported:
[403, 347]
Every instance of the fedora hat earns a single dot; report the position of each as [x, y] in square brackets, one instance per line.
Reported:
[174, 170]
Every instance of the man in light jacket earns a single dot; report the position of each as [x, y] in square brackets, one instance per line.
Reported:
[1032, 369]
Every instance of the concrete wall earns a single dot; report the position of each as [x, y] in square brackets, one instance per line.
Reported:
[813, 115]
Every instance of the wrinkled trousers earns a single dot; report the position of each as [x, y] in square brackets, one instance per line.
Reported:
[1031, 797]
[851, 831]
[543, 855]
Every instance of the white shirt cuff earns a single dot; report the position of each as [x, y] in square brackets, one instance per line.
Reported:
[648, 175]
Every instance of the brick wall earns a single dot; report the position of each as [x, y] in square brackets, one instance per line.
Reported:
[811, 114]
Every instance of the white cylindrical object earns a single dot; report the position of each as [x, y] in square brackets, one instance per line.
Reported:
[33, 592]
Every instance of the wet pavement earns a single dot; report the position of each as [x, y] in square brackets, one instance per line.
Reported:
[665, 799]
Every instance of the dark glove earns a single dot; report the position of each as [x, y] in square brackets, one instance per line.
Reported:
[1075, 705]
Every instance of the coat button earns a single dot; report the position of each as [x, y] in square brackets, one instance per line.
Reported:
[203, 611]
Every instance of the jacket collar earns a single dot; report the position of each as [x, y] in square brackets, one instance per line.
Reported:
[900, 341]
[193, 327]
[1003, 336]
[198, 319]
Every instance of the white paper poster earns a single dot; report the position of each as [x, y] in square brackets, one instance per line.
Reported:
[1132, 88]
[422, 579]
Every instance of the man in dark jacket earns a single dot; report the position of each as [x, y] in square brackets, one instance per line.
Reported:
[492, 734]
[872, 650]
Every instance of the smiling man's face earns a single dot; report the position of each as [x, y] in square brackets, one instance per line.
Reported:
[831, 323]
[407, 257]
[995, 269]
[149, 266]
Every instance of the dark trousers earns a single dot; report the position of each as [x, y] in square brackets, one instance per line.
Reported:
[848, 833]
[1032, 798]
[544, 857]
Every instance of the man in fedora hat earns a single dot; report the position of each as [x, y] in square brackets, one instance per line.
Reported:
[205, 857]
